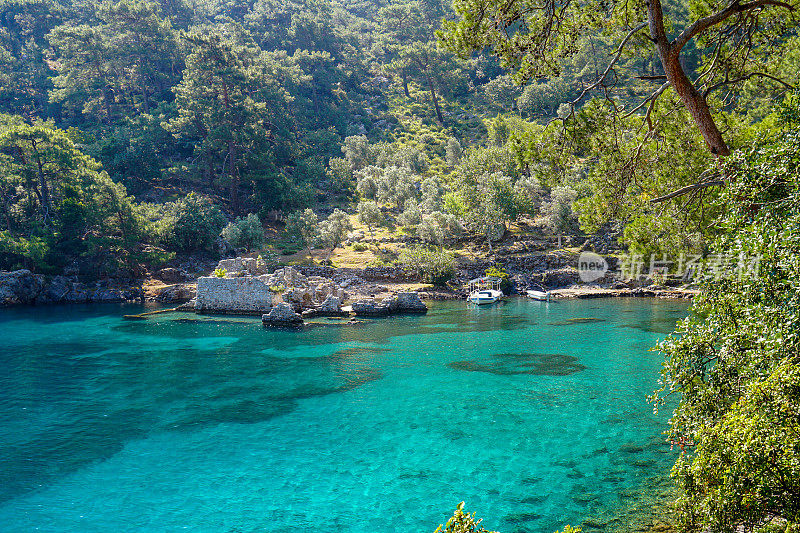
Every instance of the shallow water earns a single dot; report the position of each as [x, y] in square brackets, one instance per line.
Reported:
[533, 413]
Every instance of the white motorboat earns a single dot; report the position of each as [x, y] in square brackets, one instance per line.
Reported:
[483, 291]
[484, 297]
[543, 296]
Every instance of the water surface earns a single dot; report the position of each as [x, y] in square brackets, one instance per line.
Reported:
[533, 413]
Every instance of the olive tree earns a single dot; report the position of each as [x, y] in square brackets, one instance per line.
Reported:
[334, 229]
[369, 213]
[304, 226]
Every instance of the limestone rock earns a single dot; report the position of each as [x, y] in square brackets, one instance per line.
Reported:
[332, 306]
[409, 302]
[105, 295]
[400, 303]
[176, 294]
[282, 315]
[58, 290]
[369, 307]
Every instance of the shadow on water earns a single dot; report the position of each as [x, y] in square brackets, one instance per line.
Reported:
[663, 327]
[575, 321]
[509, 364]
[105, 401]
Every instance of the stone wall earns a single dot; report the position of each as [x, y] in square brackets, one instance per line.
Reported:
[387, 273]
[232, 295]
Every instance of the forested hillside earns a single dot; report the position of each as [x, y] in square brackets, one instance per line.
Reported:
[134, 130]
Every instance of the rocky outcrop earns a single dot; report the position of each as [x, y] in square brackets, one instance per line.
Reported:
[22, 287]
[409, 302]
[332, 306]
[282, 316]
[401, 303]
[172, 275]
[247, 295]
[176, 293]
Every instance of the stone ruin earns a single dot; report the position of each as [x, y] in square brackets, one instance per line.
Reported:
[281, 296]
[244, 290]
[233, 295]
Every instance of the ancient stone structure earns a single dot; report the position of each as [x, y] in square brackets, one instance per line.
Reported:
[233, 295]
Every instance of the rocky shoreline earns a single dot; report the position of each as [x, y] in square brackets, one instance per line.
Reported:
[552, 270]
[22, 287]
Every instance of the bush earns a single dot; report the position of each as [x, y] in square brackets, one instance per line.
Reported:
[245, 232]
[496, 271]
[359, 247]
[191, 224]
[432, 266]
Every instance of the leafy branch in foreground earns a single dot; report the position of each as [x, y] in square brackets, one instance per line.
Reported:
[462, 522]
[735, 361]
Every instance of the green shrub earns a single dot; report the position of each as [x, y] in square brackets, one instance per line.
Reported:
[220, 272]
[359, 247]
[497, 271]
[432, 266]
[245, 232]
[190, 224]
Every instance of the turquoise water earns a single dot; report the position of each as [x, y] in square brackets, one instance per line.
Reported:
[533, 413]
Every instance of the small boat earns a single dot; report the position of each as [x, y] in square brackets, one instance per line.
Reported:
[484, 291]
[543, 296]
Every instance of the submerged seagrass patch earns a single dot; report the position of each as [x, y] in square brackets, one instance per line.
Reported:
[509, 364]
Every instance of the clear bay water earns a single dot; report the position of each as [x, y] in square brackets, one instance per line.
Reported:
[532, 413]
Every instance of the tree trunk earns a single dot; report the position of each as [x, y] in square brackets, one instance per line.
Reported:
[234, 195]
[696, 104]
[232, 154]
[43, 187]
[688, 93]
[435, 100]
[6, 208]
